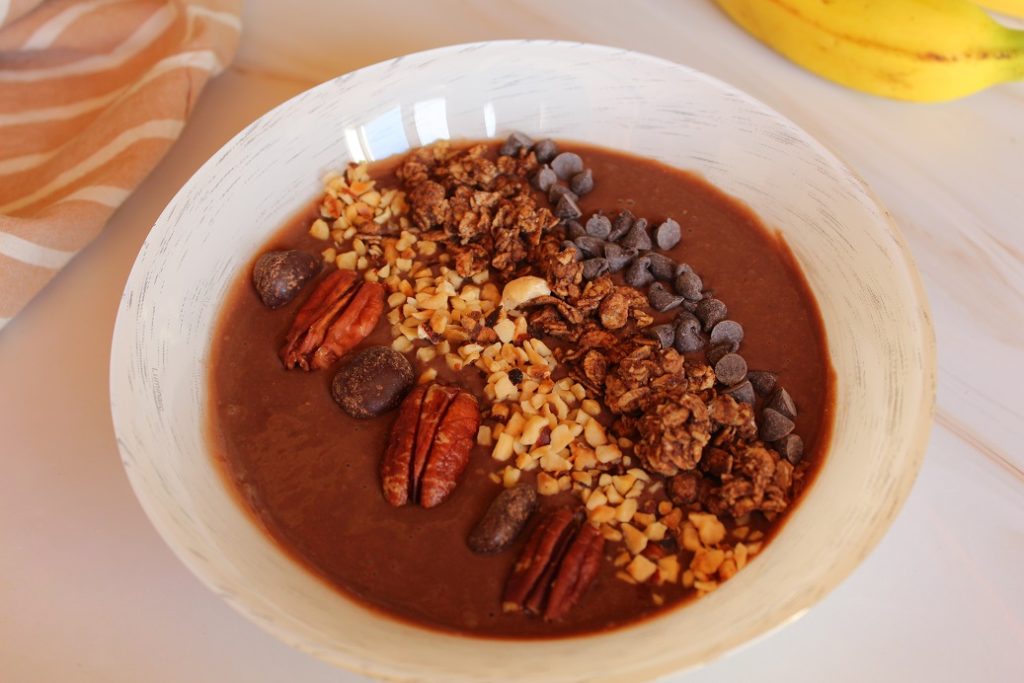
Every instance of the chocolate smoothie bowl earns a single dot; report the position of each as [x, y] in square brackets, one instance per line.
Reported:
[570, 386]
[597, 400]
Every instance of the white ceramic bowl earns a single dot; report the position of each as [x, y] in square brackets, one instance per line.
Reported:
[876, 318]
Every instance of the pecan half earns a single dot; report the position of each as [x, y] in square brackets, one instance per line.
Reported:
[340, 313]
[556, 566]
[429, 445]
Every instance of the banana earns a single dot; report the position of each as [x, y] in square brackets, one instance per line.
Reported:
[918, 50]
[1013, 8]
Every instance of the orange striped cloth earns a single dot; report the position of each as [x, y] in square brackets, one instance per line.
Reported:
[92, 94]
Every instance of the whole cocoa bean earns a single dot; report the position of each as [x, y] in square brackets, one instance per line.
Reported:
[504, 519]
[279, 275]
[373, 382]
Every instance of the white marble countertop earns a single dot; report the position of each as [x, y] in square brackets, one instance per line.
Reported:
[90, 592]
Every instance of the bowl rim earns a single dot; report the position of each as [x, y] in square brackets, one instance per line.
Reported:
[123, 335]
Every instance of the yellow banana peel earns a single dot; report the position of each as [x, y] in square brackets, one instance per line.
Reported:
[1014, 8]
[918, 50]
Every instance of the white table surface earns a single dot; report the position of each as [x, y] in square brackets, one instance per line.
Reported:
[89, 592]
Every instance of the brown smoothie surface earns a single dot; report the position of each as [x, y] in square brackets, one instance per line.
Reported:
[309, 472]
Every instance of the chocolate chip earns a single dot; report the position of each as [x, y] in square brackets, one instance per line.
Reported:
[730, 369]
[573, 229]
[661, 298]
[515, 142]
[689, 285]
[638, 274]
[637, 237]
[544, 179]
[727, 331]
[665, 334]
[718, 351]
[590, 246]
[791, 447]
[621, 225]
[545, 150]
[667, 235]
[557, 191]
[582, 182]
[515, 375]
[577, 254]
[279, 275]
[662, 267]
[618, 258]
[599, 226]
[774, 425]
[742, 392]
[763, 381]
[594, 268]
[567, 207]
[683, 268]
[690, 306]
[711, 311]
[688, 337]
[373, 382]
[567, 164]
[781, 401]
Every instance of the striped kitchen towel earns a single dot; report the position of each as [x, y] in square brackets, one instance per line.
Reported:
[92, 94]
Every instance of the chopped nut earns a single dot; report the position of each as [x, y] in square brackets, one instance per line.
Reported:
[655, 531]
[546, 484]
[607, 453]
[532, 429]
[503, 448]
[635, 539]
[510, 476]
[483, 435]
[320, 230]
[523, 289]
[602, 515]
[625, 511]
[641, 568]
[711, 530]
[668, 569]
[346, 261]
[594, 433]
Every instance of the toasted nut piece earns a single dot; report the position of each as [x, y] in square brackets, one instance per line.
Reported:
[320, 230]
[707, 561]
[668, 569]
[510, 476]
[594, 433]
[523, 289]
[607, 453]
[503, 448]
[635, 539]
[728, 569]
[626, 510]
[546, 484]
[532, 429]
[641, 568]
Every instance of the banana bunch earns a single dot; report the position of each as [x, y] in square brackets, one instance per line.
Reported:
[919, 50]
